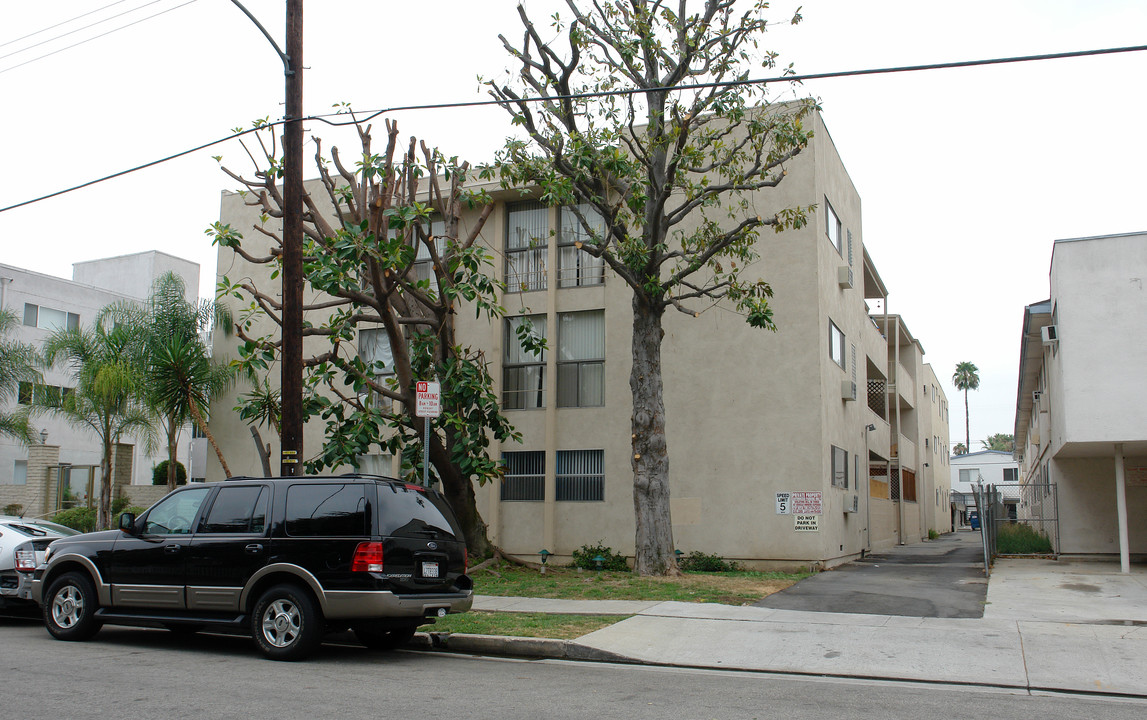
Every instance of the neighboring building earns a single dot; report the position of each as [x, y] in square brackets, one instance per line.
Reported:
[1081, 406]
[986, 467]
[750, 414]
[46, 303]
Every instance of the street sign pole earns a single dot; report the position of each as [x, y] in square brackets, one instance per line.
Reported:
[427, 405]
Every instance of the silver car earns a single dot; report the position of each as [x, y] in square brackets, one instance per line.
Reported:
[23, 542]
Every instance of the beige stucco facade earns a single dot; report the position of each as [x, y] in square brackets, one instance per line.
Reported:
[750, 413]
[1080, 420]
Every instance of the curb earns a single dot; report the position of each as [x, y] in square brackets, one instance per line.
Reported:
[526, 647]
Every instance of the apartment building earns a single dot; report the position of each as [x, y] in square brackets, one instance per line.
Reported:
[43, 304]
[1080, 420]
[810, 445]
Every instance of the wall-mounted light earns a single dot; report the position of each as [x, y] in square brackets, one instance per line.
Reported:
[870, 427]
[44, 436]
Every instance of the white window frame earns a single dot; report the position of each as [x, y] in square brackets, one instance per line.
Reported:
[835, 334]
[833, 228]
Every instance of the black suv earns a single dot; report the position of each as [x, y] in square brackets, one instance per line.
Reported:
[283, 558]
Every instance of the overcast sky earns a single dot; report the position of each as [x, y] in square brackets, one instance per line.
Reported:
[966, 176]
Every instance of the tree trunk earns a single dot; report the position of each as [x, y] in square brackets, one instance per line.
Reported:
[194, 407]
[172, 475]
[967, 425]
[459, 492]
[104, 509]
[264, 451]
[650, 461]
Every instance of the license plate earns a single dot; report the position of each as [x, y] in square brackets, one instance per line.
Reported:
[430, 569]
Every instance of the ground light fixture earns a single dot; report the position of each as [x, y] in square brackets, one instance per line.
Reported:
[545, 556]
[598, 560]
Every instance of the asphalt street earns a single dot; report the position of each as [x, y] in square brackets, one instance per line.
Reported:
[129, 672]
[942, 578]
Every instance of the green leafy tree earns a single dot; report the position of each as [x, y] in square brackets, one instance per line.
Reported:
[396, 259]
[18, 364]
[107, 399]
[960, 449]
[1000, 441]
[966, 377]
[178, 376]
[674, 174]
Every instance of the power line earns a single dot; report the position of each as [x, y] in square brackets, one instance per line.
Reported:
[697, 86]
[94, 37]
[65, 22]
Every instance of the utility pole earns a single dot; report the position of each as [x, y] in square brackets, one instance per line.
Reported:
[291, 387]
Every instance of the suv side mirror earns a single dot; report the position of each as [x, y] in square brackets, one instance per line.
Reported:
[127, 523]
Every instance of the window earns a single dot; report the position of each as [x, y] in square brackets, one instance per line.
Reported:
[423, 270]
[374, 350]
[49, 319]
[839, 458]
[523, 373]
[174, 514]
[576, 267]
[525, 478]
[833, 227]
[581, 475]
[836, 344]
[20, 473]
[1011, 475]
[326, 510]
[969, 475]
[238, 510]
[44, 395]
[527, 230]
[581, 359]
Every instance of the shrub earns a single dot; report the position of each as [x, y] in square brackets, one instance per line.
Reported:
[14, 509]
[159, 474]
[1021, 539]
[932, 534]
[77, 518]
[697, 561]
[584, 556]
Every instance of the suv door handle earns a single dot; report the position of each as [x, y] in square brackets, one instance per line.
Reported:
[172, 549]
[254, 549]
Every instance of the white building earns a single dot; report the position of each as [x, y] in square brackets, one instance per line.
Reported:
[1081, 406]
[43, 304]
[987, 467]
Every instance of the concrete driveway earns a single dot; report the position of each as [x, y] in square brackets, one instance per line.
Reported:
[942, 578]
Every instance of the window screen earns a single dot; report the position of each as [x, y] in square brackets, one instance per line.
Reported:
[525, 476]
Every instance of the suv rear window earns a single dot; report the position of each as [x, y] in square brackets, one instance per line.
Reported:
[326, 510]
[406, 510]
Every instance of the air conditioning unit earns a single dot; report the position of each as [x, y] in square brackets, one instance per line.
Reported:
[852, 504]
[1034, 437]
[844, 276]
[1049, 334]
[848, 389]
[1039, 401]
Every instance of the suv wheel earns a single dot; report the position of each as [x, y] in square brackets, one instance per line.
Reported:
[70, 607]
[285, 624]
[377, 638]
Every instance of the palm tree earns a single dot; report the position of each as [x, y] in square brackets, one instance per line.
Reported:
[106, 399]
[966, 377]
[17, 365]
[179, 377]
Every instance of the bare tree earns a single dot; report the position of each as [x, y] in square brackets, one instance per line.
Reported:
[394, 253]
[671, 171]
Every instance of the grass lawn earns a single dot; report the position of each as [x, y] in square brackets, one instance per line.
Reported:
[505, 579]
[540, 625]
[732, 588]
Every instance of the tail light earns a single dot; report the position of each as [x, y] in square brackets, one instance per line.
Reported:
[367, 557]
[25, 560]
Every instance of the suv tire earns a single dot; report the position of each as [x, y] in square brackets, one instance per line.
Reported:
[377, 638]
[70, 607]
[285, 624]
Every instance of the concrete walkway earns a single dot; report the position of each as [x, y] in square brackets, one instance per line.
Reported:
[1047, 625]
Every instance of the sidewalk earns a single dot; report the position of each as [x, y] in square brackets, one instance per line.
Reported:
[1048, 625]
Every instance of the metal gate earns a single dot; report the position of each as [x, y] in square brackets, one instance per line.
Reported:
[1018, 519]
